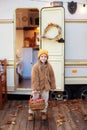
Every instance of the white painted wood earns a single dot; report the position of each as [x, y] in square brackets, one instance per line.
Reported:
[7, 51]
[6, 41]
[76, 71]
[75, 41]
[58, 66]
[76, 80]
[7, 11]
[55, 49]
[10, 78]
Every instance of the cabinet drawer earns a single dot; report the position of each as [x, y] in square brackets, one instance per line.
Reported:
[74, 71]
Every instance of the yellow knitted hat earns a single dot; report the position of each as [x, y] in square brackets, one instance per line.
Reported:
[40, 52]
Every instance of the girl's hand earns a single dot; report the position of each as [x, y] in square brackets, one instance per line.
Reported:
[52, 89]
[35, 92]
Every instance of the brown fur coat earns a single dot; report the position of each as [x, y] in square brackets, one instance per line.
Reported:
[42, 77]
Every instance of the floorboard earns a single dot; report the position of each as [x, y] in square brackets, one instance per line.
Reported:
[61, 115]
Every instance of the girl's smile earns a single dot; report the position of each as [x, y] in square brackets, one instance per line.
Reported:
[43, 58]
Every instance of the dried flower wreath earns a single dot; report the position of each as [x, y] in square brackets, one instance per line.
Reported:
[49, 26]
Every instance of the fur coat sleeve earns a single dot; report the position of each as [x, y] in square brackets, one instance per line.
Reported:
[52, 78]
[35, 77]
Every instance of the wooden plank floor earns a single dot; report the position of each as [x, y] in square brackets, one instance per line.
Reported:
[62, 115]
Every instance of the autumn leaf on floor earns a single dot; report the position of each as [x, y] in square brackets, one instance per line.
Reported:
[60, 116]
[19, 106]
[60, 119]
[13, 122]
[74, 101]
[60, 122]
[13, 115]
[85, 117]
[76, 108]
[52, 103]
[9, 122]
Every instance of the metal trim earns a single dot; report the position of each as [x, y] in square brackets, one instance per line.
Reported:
[4, 21]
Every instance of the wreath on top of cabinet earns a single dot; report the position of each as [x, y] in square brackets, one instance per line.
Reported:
[24, 18]
[52, 32]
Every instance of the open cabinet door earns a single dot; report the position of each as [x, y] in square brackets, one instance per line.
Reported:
[52, 39]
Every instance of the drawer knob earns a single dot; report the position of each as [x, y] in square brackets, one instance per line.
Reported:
[74, 71]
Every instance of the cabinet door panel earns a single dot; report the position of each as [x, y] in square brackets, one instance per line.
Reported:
[58, 66]
[51, 20]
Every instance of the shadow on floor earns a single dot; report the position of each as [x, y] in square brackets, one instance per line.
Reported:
[18, 97]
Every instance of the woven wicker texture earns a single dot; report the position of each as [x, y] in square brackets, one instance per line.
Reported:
[37, 104]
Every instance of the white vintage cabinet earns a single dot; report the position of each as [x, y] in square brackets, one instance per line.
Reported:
[52, 30]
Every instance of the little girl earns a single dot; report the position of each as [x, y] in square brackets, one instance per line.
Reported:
[42, 81]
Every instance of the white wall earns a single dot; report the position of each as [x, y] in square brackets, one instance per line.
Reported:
[7, 29]
[7, 7]
[76, 41]
[6, 41]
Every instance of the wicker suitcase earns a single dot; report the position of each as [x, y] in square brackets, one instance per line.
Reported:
[37, 104]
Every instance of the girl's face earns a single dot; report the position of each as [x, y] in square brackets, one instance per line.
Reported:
[43, 58]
